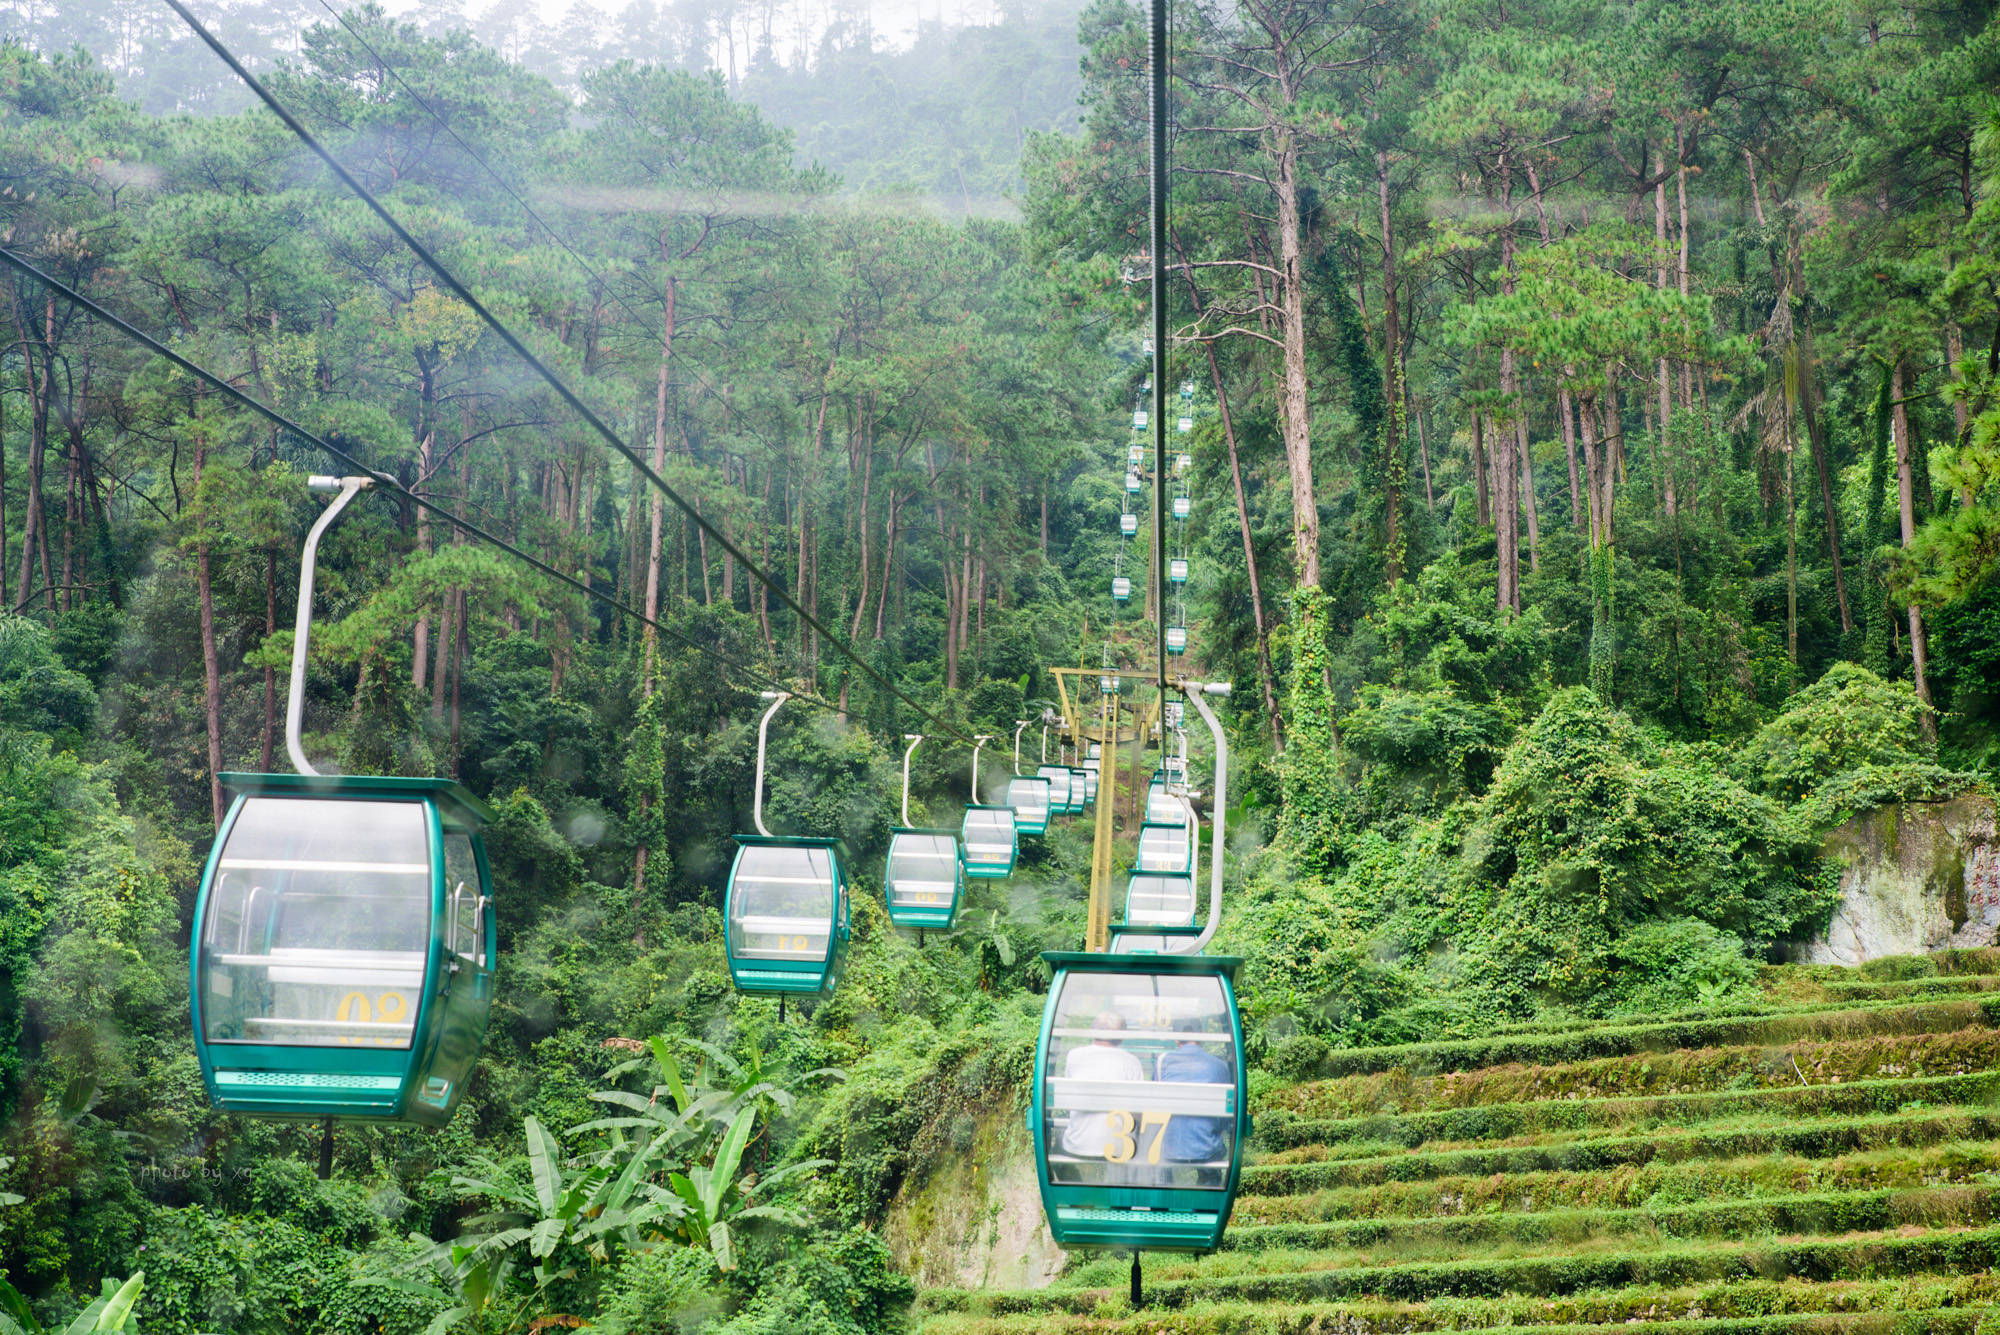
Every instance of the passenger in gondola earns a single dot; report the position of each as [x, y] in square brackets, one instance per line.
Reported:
[1104, 1058]
[1195, 1140]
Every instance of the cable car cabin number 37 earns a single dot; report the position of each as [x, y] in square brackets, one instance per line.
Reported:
[1139, 1110]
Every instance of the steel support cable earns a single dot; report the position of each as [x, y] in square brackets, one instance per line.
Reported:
[1156, 79]
[555, 382]
[384, 480]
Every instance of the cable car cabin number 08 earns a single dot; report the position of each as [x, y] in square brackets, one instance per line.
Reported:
[344, 962]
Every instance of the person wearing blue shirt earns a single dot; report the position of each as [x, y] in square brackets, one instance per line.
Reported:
[1197, 1140]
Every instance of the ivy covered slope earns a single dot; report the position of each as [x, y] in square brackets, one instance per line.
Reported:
[1817, 1155]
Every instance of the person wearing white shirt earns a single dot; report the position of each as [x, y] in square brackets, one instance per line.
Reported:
[1088, 1133]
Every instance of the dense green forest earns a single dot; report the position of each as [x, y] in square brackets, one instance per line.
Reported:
[1596, 464]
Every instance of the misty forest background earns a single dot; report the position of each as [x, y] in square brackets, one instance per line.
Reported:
[1596, 476]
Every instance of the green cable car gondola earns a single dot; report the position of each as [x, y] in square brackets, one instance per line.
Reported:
[1059, 789]
[342, 961]
[923, 878]
[1167, 847]
[1139, 1114]
[1028, 794]
[1082, 787]
[992, 840]
[344, 965]
[1163, 808]
[785, 911]
[1155, 900]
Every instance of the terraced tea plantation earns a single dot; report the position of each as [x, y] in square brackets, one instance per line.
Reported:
[1828, 1160]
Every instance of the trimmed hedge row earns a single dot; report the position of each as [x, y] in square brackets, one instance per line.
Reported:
[1811, 998]
[1814, 1140]
[1628, 1186]
[1233, 1319]
[1819, 1262]
[1815, 1213]
[1897, 968]
[1494, 1121]
[1465, 1054]
[1969, 1050]
[1748, 1300]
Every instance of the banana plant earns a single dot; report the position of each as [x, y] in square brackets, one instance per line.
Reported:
[597, 1205]
[715, 1198]
[110, 1314]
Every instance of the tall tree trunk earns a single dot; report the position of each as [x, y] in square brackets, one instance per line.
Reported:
[862, 567]
[657, 514]
[1392, 385]
[1266, 678]
[426, 460]
[1586, 422]
[888, 563]
[1482, 489]
[1294, 408]
[764, 559]
[1791, 545]
[1564, 405]
[270, 673]
[1528, 492]
[964, 603]
[1809, 406]
[1424, 453]
[441, 658]
[1506, 470]
[458, 654]
[1669, 496]
[211, 661]
[71, 512]
[656, 517]
[1899, 422]
[39, 394]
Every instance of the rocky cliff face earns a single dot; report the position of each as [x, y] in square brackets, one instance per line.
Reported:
[1915, 877]
[976, 1220]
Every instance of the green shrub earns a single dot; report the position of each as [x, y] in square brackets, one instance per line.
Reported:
[664, 1290]
[1848, 718]
[1589, 832]
[1663, 967]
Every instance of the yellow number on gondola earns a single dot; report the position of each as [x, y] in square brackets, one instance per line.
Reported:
[354, 1009]
[393, 1008]
[802, 944]
[1121, 1144]
[1119, 1147]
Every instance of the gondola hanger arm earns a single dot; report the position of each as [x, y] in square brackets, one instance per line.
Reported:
[912, 738]
[978, 744]
[295, 698]
[776, 698]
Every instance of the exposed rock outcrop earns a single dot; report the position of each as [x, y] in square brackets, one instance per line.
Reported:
[1915, 877]
[976, 1220]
